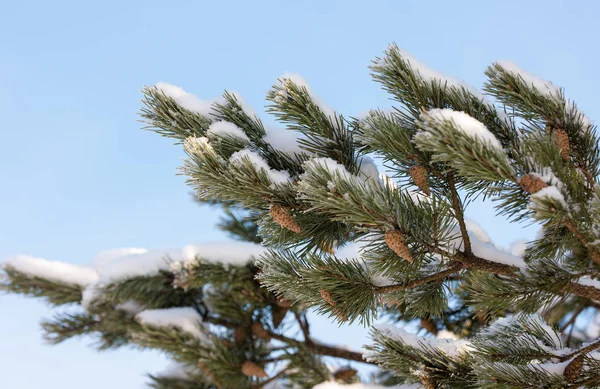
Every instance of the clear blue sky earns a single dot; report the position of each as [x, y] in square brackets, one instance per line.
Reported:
[79, 176]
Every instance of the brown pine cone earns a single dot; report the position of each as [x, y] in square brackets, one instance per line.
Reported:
[532, 184]
[395, 240]
[420, 177]
[251, 369]
[282, 217]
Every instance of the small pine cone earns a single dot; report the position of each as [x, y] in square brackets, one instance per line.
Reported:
[251, 369]
[260, 332]
[420, 177]
[532, 184]
[573, 369]
[341, 315]
[277, 315]
[429, 325]
[427, 382]
[282, 217]
[561, 138]
[327, 247]
[327, 297]
[227, 343]
[395, 240]
[595, 256]
[344, 374]
[240, 335]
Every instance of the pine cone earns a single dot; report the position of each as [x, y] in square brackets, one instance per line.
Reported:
[282, 217]
[532, 184]
[327, 247]
[338, 312]
[344, 374]
[395, 240]
[327, 297]
[227, 343]
[427, 382]
[573, 369]
[429, 325]
[260, 332]
[240, 335]
[561, 138]
[420, 177]
[251, 369]
[277, 315]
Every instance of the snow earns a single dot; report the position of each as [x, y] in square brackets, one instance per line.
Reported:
[445, 334]
[283, 140]
[89, 294]
[506, 324]
[223, 128]
[335, 385]
[178, 370]
[519, 247]
[492, 253]
[593, 328]
[543, 86]
[276, 176]
[105, 257]
[451, 347]
[587, 281]
[368, 168]
[284, 83]
[553, 368]
[550, 192]
[476, 229]
[184, 318]
[187, 100]
[431, 75]
[483, 247]
[53, 270]
[130, 307]
[230, 253]
[546, 88]
[466, 124]
[137, 265]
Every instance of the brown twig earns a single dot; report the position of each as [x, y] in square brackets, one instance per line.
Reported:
[460, 217]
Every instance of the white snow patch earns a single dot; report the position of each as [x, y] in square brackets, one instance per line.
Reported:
[276, 176]
[183, 318]
[335, 385]
[451, 347]
[230, 253]
[543, 86]
[130, 307]
[476, 229]
[466, 124]
[445, 334]
[284, 83]
[180, 371]
[137, 265]
[223, 128]
[368, 168]
[430, 75]
[587, 281]
[551, 367]
[187, 100]
[550, 192]
[53, 270]
[103, 258]
[283, 140]
[519, 247]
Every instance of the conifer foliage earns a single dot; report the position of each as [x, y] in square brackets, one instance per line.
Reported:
[324, 230]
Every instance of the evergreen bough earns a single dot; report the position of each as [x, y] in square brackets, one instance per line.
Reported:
[480, 317]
